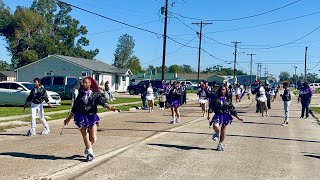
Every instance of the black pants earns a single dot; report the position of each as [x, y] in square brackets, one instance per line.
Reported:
[161, 104]
[268, 101]
[144, 103]
[305, 108]
[184, 101]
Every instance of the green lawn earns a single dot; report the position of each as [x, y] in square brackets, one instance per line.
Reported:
[64, 115]
[315, 109]
[65, 104]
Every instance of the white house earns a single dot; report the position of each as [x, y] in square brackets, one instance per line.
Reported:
[58, 65]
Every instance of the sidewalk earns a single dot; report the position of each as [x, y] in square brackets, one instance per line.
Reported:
[142, 145]
[57, 112]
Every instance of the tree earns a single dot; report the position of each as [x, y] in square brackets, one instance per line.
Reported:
[123, 51]
[175, 69]
[134, 65]
[186, 68]
[43, 29]
[159, 69]
[4, 66]
[284, 76]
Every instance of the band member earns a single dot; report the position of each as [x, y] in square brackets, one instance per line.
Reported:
[35, 99]
[85, 115]
[223, 109]
[174, 102]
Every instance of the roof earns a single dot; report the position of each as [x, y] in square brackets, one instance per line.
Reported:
[93, 65]
[8, 73]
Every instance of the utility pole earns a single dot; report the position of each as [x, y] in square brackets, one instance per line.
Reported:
[200, 38]
[305, 64]
[251, 66]
[235, 60]
[295, 75]
[265, 74]
[164, 39]
[260, 69]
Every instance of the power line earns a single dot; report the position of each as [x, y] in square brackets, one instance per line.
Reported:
[106, 31]
[215, 56]
[228, 45]
[239, 18]
[272, 47]
[264, 24]
[110, 19]
[183, 45]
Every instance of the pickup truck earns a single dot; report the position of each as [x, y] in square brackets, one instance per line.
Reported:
[63, 85]
[136, 89]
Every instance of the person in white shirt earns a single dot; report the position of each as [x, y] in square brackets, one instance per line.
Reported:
[150, 97]
[262, 98]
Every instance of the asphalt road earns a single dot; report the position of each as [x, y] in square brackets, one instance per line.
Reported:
[142, 145]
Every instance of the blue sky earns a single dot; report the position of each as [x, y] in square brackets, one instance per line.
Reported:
[103, 34]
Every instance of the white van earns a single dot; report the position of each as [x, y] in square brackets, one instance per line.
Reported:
[314, 85]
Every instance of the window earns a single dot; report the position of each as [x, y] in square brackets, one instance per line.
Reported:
[49, 73]
[58, 81]
[71, 81]
[46, 81]
[15, 86]
[4, 85]
[84, 73]
[123, 78]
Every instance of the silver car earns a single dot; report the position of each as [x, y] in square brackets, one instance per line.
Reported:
[15, 93]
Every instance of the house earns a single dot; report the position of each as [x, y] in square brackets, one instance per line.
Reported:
[243, 79]
[7, 76]
[58, 65]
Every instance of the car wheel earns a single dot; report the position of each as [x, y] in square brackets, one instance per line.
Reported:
[131, 92]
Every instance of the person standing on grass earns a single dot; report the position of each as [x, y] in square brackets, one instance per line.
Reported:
[174, 102]
[286, 98]
[35, 99]
[305, 95]
[143, 93]
[223, 109]
[85, 115]
[150, 97]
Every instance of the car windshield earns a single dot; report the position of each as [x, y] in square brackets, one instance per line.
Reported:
[28, 85]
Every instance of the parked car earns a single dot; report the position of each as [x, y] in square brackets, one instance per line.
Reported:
[15, 93]
[314, 86]
[63, 85]
[136, 89]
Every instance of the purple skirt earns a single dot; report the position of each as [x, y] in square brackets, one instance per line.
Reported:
[86, 120]
[174, 103]
[224, 119]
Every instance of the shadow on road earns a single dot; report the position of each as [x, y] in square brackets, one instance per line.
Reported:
[251, 122]
[312, 156]
[180, 147]
[147, 122]
[13, 134]
[42, 157]
[273, 138]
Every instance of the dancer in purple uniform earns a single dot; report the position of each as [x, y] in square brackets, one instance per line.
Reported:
[223, 109]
